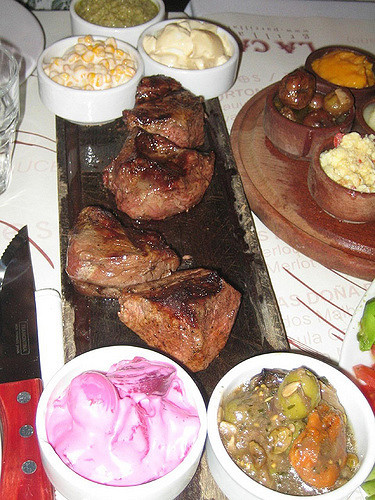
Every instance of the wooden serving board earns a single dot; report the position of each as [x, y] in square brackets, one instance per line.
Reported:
[276, 188]
[218, 233]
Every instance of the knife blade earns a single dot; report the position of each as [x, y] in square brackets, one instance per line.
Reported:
[22, 473]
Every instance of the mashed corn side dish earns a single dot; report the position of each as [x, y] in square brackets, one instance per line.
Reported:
[92, 65]
[352, 162]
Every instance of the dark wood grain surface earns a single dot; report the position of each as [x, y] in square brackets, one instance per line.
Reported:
[276, 187]
[218, 233]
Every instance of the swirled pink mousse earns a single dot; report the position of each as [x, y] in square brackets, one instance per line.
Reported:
[125, 427]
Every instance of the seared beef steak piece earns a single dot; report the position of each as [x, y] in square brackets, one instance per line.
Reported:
[152, 178]
[164, 107]
[155, 87]
[104, 257]
[188, 314]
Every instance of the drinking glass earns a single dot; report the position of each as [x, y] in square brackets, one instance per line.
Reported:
[9, 113]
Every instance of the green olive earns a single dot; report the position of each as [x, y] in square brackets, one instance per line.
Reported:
[297, 427]
[235, 410]
[338, 102]
[258, 454]
[281, 438]
[298, 394]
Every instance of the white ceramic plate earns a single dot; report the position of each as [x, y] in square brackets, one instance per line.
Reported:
[351, 355]
[21, 32]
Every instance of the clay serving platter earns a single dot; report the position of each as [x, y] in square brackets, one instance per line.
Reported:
[276, 188]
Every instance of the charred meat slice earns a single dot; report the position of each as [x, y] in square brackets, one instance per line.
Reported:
[104, 257]
[155, 87]
[152, 178]
[188, 315]
[164, 107]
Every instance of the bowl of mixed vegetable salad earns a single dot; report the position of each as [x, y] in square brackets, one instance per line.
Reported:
[286, 426]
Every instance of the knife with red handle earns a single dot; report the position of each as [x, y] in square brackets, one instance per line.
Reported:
[22, 473]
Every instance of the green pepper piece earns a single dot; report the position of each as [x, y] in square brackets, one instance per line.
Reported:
[371, 476]
[369, 487]
[366, 334]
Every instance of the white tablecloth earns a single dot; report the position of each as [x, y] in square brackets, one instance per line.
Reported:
[316, 303]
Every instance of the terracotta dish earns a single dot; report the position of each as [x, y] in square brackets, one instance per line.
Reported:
[342, 203]
[295, 139]
[323, 85]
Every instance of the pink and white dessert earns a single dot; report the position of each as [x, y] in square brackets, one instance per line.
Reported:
[125, 427]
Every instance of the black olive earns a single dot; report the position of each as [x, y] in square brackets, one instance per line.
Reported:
[318, 118]
[316, 101]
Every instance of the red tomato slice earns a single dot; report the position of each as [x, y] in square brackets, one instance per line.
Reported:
[370, 395]
[373, 350]
[365, 374]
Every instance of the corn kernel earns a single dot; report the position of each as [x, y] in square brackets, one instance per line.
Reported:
[92, 64]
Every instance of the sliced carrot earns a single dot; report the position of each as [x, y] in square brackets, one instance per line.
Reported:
[319, 452]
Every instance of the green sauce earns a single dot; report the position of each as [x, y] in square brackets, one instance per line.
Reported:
[117, 13]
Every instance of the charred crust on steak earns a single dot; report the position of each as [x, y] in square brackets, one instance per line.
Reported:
[164, 107]
[104, 257]
[155, 87]
[179, 294]
[188, 315]
[152, 178]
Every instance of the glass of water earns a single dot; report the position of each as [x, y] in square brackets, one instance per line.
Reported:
[9, 113]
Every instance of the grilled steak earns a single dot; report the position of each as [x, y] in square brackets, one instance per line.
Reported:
[152, 178]
[104, 257]
[164, 107]
[188, 314]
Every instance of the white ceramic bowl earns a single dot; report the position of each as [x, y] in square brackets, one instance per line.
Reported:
[86, 106]
[129, 35]
[75, 487]
[239, 486]
[210, 82]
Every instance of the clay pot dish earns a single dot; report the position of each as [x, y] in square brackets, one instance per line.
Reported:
[362, 116]
[326, 86]
[338, 201]
[294, 139]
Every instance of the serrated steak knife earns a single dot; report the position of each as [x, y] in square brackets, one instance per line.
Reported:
[22, 474]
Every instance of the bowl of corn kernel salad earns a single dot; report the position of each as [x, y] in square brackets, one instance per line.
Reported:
[89, 79]
[341, 177]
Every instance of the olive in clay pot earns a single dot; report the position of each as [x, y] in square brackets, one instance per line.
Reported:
[317, 101]
[338, 101]
[297, 89]
[318, 118]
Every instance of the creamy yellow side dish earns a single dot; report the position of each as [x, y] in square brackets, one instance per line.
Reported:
[345, 68]
[92, 65]
[352, 163]
[188, 45]
[117, 13]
